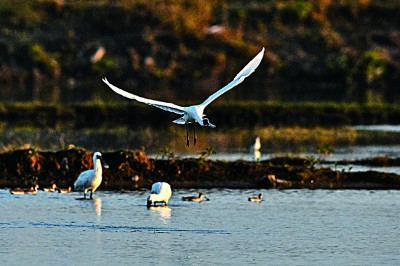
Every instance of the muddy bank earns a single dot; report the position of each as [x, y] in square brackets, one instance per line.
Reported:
[132, 169]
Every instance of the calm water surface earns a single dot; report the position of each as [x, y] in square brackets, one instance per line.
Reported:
[291, 227]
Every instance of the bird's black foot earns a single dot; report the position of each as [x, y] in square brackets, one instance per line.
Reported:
[187, 136]
[194, 134]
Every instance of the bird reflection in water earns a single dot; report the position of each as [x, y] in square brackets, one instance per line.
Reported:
[163, 212]
[97, 206]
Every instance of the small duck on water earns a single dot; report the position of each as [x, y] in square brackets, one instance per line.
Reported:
[196, 198]
[18, 191]
[256, 199]
[64, 190]
[50, 189]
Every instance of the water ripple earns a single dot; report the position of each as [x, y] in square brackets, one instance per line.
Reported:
[126, 228]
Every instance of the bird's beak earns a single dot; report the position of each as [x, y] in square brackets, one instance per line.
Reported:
[207, 199]
[105, 165]
[207, 123]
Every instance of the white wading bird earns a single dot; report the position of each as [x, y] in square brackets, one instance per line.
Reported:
[91, 179]
[160, 193]
[194, 113]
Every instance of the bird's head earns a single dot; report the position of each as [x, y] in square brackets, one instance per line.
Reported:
[99, 156]
[202, 196]
[206, 123]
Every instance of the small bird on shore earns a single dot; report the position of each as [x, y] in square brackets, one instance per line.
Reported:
[18, 191]
[198, 198]
[160, 193]
[90, 180]
[256, 199]
[50, 189]
[194, 113]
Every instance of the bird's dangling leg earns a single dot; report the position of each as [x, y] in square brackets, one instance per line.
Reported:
[194, 134]
[187, 135]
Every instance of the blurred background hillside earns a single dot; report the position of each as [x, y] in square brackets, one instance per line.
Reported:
[57, 51]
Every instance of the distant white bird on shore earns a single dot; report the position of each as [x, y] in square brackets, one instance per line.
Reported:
[255, 149]
[90, 180]
[160, 193]
[194, 113]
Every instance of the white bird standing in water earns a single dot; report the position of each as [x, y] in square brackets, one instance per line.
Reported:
[91, 179]
[194, 113]
[160, 193]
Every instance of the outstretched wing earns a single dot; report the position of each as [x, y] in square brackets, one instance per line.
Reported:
[162, 105]
[244, 73]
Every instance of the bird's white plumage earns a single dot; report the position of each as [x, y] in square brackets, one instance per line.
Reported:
[90, 180]
[160, 193]
[194, 113]
[162, 105]
[244, 73]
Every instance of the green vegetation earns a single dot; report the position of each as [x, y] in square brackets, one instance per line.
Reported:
[232, 115]
[340, 51]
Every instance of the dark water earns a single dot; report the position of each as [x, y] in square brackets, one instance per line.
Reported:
[291, 227]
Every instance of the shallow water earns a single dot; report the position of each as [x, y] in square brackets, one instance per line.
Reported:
[291, 227]
[229, 144]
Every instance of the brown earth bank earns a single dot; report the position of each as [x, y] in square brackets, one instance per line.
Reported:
[132, 169]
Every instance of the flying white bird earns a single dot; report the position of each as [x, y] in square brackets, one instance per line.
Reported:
[194, 113]
[160, 193]
[91, 179]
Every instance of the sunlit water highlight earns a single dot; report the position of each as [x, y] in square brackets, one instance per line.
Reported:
[291, 227]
